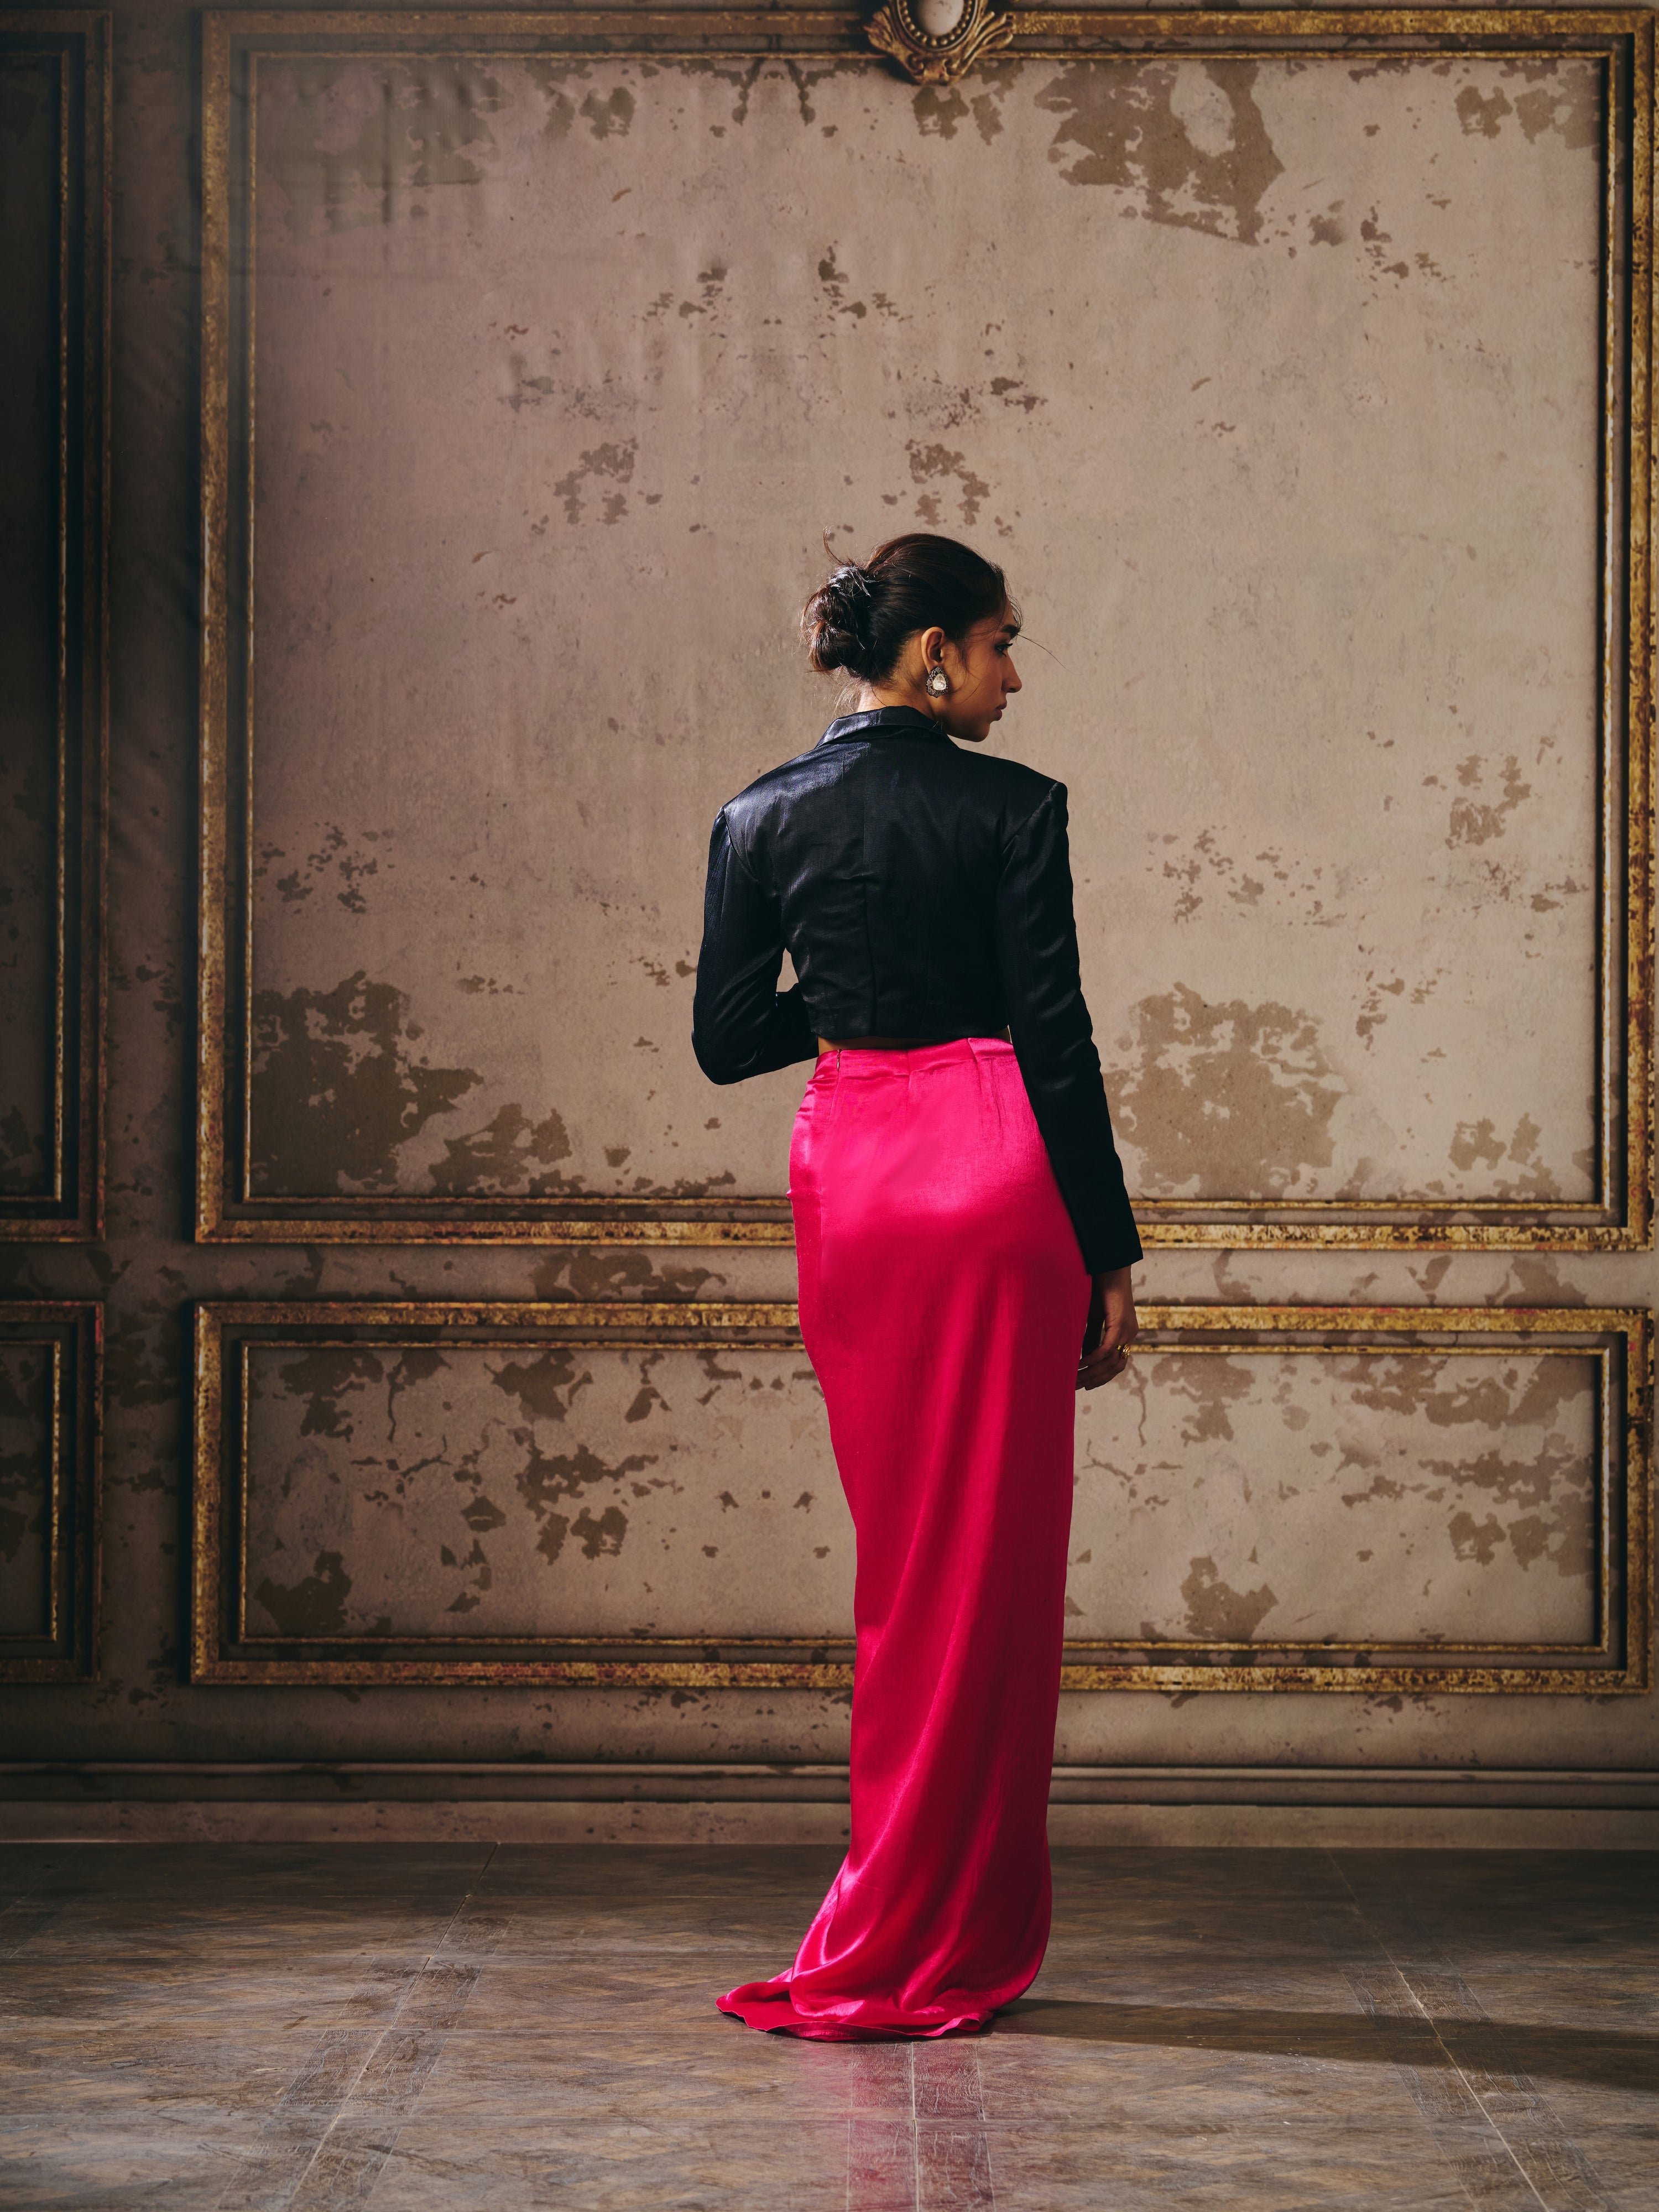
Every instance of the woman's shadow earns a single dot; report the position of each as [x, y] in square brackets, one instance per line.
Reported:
[1610, 2061]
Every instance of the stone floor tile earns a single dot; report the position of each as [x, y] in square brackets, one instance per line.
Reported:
[399, 2027]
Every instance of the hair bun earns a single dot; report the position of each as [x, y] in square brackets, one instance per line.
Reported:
[837, 621]
[858, 620]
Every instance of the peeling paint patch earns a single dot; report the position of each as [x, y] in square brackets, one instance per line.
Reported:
[502, 1156]
[614, 462]
[1479, 1141]
[1220, 1615]
[1230, 1097]
[1474, 821]
[348, 142]
[337, 1091]
[1189, 150]
[930, 464]
[1563, 101]
[937, 110]
[315, 1606]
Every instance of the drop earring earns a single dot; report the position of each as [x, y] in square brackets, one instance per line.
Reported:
[937, 682]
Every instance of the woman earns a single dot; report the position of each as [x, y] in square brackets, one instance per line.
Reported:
[961, 1230]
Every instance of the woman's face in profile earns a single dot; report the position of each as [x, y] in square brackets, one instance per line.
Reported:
[982, 678]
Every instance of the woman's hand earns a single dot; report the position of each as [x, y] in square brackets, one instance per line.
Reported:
[1112, 1328]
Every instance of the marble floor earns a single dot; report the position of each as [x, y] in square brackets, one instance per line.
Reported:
[406, 2027]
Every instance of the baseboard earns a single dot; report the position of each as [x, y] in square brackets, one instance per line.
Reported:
[1161, 1808]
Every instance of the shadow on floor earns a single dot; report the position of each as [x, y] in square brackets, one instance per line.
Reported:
[1566, 2054]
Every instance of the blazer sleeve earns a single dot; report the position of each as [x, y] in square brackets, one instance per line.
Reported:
[1053, 1038]
[741, 1023]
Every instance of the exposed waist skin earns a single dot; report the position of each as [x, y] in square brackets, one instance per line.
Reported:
[889, 1044]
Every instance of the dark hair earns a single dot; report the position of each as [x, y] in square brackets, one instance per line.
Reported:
[858, 617]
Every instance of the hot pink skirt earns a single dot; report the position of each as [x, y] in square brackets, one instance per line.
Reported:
[943, 1299]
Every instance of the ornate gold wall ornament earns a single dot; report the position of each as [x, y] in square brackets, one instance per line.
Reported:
[228, 1646]
[938, 42]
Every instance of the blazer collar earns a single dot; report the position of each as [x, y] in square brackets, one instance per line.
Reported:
[884, 722]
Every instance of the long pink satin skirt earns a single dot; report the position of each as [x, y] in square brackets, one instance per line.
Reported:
[943, 1298]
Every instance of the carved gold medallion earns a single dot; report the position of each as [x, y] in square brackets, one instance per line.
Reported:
[937, 41]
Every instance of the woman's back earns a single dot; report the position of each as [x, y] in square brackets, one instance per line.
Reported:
[884, 848]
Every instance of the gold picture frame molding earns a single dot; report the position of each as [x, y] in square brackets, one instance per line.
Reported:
[71, 1335]
[1619, 1218]
[1618, 1661]
[71, 1210]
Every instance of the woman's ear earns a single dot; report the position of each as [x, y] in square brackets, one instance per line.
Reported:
[932, 643]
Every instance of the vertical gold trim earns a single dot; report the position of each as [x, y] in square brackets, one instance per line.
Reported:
[213, 886]
[1640, 497]
[60, 913]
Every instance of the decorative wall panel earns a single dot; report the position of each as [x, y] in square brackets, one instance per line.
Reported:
[54, 279]
[1325, 1498]
[50, 1390]
[1239, 339]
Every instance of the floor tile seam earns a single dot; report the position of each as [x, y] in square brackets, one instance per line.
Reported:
[425, 1955]
[326, 2113]
[1546, 2131]
[380, 2154]
[249, 2165]
[1469, 2088]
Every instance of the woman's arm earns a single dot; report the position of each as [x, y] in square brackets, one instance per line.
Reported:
[741, 1025]
[1053, 1038]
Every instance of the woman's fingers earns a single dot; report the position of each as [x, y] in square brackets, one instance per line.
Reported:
[1112, 1328]
[1105, 1366]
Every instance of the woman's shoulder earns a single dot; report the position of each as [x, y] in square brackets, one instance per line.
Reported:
[1018, 778]
[1009, 792]
[775, 783]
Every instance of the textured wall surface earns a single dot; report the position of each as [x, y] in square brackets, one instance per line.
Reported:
[526, 1493]
[1275, 388]
[1414, 1500]
[26, 1476]
[29, 450]
[1251, 373]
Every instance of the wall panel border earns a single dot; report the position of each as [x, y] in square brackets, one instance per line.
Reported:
[72, 1337]
[1617, 1218]
[69, 1208]
[1617, 1660]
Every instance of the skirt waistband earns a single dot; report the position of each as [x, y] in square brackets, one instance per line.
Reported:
[867, 1061]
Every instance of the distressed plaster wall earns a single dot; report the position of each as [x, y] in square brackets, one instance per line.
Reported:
[28, 626]
[1335, 846]
[1332, 899]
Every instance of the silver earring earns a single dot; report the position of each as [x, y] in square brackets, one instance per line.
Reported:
[937, 682]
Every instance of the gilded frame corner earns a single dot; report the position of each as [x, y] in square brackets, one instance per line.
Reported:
[71, 1334]
[71, 1209]
[1618, 1661]
[1620, 1216]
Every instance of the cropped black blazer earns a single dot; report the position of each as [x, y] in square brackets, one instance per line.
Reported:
[921, 892]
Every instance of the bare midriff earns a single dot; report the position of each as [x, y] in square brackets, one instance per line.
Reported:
[886, 1044]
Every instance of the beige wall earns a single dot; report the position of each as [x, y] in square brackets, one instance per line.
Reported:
[1275, 386]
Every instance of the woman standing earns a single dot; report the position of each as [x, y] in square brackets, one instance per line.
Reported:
[961, 1230]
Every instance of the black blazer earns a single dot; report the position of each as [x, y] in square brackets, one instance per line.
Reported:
[921, 891]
